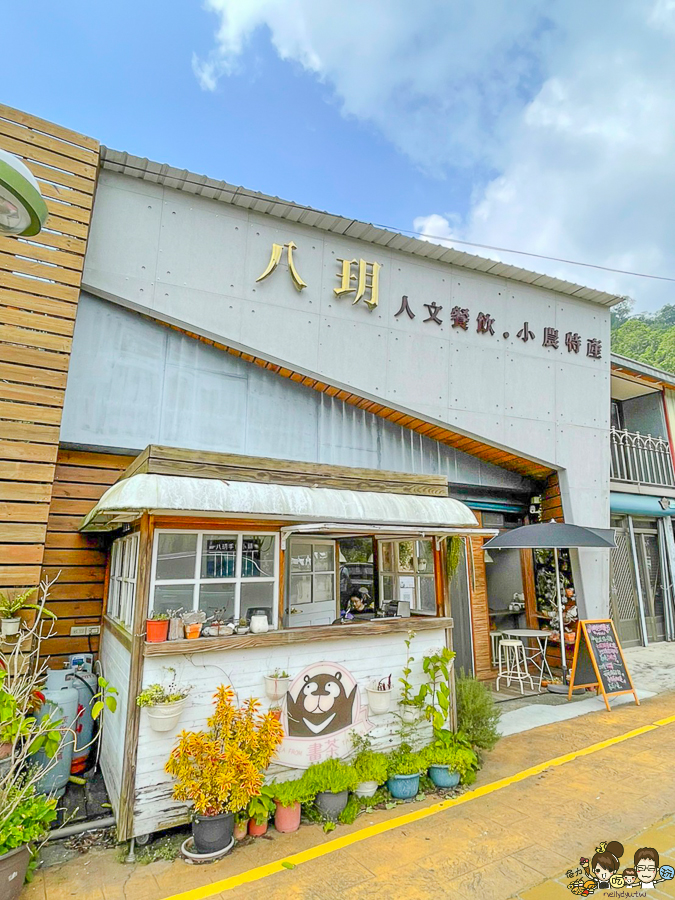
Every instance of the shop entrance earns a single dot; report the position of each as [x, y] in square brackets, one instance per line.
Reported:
[635, 570]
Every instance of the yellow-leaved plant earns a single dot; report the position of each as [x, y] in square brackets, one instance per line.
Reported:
[219, 770]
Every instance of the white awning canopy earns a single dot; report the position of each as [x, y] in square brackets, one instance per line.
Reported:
[347, 511]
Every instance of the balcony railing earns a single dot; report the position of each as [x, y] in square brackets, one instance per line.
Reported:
[641, 458]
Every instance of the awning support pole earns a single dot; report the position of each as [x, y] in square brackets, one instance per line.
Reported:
[563, 655]
[638, 583]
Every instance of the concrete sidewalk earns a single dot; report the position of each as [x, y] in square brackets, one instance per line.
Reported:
[488, 848]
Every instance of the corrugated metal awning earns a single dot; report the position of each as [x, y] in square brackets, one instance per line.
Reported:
[127, 500]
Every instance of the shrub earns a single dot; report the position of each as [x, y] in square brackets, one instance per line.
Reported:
[404, 761]
[477, 712]
[288, 793]
[369, 764]
[331, 775]
[219, 770]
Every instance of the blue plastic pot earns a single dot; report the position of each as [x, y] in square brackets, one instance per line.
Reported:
[443, 777]
[403, 787]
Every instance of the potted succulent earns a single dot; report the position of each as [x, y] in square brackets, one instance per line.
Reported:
[371, 766]
[276, 684]
[330, 783]
[12, 606]
[259, 809]
[449, 760]
[241, 825]
[164, 705]
[288, 797]
[379, 696]
[157, 627]
[220, 769]
[404, 767]
[242, 626]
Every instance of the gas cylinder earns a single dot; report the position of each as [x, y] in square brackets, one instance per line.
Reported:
[61, 702]
[85, 683]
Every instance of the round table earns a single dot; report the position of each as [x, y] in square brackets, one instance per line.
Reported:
[534, 654]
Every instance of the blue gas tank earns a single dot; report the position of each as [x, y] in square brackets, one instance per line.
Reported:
[61, 702]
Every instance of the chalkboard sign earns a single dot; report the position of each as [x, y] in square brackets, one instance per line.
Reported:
[599, 661]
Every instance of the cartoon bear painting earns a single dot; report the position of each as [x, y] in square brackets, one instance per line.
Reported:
[322, 707]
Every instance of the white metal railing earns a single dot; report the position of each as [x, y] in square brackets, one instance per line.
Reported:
[641, 458]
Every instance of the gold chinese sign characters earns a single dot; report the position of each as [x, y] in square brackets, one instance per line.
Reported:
[275, 258]
[361, 278]
[365, 284]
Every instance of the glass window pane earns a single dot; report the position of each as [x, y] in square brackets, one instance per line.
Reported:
[427, 601]
[176, 556]
[406, 551]
[258, 556]
[219, 556]
[301, 557]
[300, 589]
[387, 588]
[257, 597]
[323, 588]
[387, 556]
[406, 590]
[217, 598]
[425, 557]
[324, 557]
[173, 596]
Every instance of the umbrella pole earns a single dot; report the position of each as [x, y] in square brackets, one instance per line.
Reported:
[560, 617]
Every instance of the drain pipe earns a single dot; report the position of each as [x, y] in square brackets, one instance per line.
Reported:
[80, 827]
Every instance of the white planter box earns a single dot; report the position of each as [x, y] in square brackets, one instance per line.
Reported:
[276, 688]
[165, 717]
[379, 702]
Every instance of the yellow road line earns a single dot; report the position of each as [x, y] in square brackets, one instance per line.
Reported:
[296, 859]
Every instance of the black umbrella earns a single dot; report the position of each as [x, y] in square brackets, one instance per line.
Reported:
[553, 536]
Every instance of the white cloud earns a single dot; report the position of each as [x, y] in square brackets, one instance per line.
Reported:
[569, 106]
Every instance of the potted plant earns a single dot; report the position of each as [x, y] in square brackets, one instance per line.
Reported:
[157, 627]
[371, 766]
[11, 606]
[220, 769]
[288, 797]
[192, 623]
[330, 783]
[176, 632]
[276, 684]
[24, 822]
[379, 696]
[259, 809]
[164, 705]
[242, 626]
[404, 767]
[449, 760]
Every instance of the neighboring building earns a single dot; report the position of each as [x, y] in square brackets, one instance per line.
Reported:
[642, 501]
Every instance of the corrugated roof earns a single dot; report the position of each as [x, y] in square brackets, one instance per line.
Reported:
[640, 368]
[183, 180]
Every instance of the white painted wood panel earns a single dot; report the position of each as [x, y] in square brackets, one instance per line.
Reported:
[366, 657]
[116, 661]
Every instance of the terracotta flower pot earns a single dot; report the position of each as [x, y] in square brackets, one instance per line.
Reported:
[240, 830]
[156, 630]
[287, 818]
[256, 830]
[193, 631]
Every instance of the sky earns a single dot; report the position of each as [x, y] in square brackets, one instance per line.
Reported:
[545, 126]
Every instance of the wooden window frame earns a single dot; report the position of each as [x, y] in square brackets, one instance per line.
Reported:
[122, 583]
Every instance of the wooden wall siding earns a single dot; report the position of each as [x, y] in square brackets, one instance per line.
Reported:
[480, 621]
[39, 292]
[79, 560]
[156, 460]
[496, 456]
[551, 501]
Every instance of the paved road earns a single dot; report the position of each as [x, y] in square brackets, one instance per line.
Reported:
[526, 823]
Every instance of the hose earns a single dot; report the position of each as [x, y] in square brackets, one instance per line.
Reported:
[80, 827]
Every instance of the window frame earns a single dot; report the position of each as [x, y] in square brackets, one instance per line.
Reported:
[197, 580]
[334, 571]
[123, 580]
[396, 572]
